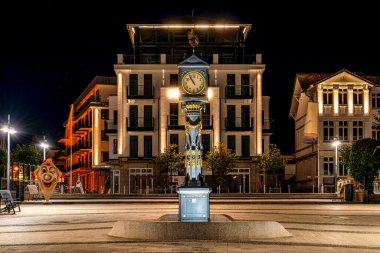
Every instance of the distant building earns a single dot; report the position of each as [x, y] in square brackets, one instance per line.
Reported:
[145, 115]
[88, 141]
[328, 107]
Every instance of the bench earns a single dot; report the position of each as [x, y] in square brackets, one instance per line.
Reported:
[274, 190]
[10, 204]
[33, 191]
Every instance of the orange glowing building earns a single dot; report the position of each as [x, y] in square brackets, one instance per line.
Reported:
[85, 142]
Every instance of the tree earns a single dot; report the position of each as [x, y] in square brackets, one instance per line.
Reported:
[272, 160]
[170, 161]
[362, 161]
[219, 160]
[27, 154]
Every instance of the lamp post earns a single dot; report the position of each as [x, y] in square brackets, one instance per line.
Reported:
[44, 145]
[336, 143]
[9, 130]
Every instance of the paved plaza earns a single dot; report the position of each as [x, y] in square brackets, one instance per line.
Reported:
[83, 227]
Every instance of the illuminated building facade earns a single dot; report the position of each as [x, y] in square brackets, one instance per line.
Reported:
[145, 115]
[344, 104]
[86, 139]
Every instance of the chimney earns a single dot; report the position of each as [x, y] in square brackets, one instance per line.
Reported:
[215, 58]
[163, 58]
[259, 58]
[120, 59]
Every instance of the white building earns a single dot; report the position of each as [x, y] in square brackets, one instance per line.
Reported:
[344, 104]
[146, 116]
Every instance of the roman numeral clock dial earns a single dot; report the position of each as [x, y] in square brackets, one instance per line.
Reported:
[193, 83]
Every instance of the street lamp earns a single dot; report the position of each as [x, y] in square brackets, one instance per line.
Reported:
[336, 143]
[9, 130]
[44, 145]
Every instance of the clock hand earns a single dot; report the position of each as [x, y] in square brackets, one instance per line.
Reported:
[192, 80]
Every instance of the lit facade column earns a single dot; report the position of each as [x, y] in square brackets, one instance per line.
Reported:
[350, 100]
[336, 100]
[120, 112]
[366, 101]
[320, 99]
[96, 137]
[164, 113]
[259, 112]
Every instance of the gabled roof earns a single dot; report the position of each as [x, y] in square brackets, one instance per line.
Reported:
[304, 81]
[193, 60]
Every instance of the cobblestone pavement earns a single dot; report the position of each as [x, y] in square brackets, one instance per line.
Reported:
[83, 228]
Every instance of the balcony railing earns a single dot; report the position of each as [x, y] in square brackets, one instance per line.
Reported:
[343, 110]
[358, 109]
[239, 91]
[140, 92]
[178, 121]
[327, 109]
[238, 124]
[140, 124]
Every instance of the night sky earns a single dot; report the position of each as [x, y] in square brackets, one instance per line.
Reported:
[50, 51]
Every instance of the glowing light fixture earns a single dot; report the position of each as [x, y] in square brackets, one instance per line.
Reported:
[173, 93]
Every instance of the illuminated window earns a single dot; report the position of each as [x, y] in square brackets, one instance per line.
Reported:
[358, 97]
[328, 166]
[343, 130]
[328, 131]
[342, 96]
[376, 100]
[376, 134]
[327, 96]
[358, 130]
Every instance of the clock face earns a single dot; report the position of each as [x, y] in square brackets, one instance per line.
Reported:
[193, 83]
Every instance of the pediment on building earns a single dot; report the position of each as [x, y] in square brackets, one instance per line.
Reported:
[193, 61]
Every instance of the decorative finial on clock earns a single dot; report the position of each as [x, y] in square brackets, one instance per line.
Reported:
[193, 39]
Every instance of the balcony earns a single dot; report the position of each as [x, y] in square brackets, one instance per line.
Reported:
[239, 91]
[358, 109]
[238, 124]
[82, 127]
[268, 126]
[327, 109]
[140, 124]
[343, 110]
[178, 122]
[140, 92]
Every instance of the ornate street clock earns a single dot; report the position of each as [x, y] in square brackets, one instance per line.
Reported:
[193, 79]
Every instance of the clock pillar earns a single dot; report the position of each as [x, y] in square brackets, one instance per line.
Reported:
[194, 195]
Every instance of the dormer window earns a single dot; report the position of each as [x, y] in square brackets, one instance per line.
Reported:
[327, 96]
[358, 97]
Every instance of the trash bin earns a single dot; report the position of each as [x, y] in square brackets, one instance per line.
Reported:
[348, 192]
[20, 191]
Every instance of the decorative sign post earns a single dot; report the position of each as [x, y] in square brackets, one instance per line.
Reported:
[194, 203]
[47, 175]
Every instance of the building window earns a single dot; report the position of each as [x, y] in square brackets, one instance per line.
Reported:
[133, 115]
[206, 143]
[328, 166]
[376, 134]
[147, 146]
[230, 85]
[133, 147]
[206, 117]
[115, 117]
[148, 85]
[173, 139]
[231, 116]
[104, 114]
[342, 96]
[103, 135]
[105, 156]
[115, 146]
[358, 130]
[173, 79]
[245, 89]
[245, 116]
[343, 130]
[173, 117]
[245, 150]
[133, 85]
[358, 97]
[375, 100]
[328, 131]
[148, 116]
[342, 170]
[231, 143]
[327, 96]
